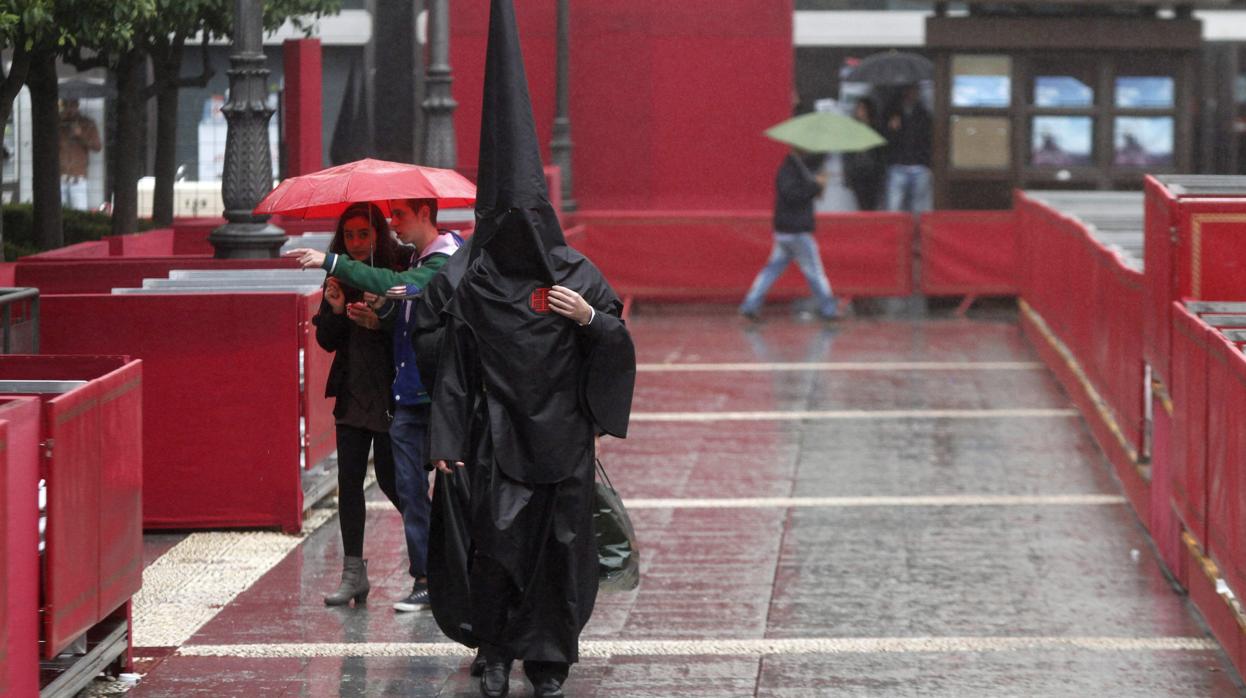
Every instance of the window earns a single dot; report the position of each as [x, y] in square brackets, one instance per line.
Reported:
[981, 143]
[982, 82]
[1062, 141]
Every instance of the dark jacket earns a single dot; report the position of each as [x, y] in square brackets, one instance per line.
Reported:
[866, 174]
[373, 369]
[795, 191]
[910, 144]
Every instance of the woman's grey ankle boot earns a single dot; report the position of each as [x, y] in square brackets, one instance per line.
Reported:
[354, 583]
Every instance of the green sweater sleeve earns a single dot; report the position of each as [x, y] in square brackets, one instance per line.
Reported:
[377, 280]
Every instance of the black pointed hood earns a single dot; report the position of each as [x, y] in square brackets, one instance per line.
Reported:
[514, 218]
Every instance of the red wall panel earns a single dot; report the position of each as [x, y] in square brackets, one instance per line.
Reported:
[679, 126]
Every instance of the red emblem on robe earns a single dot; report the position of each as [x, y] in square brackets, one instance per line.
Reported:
[539, 301]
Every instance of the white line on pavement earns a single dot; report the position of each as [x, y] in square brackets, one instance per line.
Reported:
[847, 366]
[727, 647]
[800, 415]
[955, 500]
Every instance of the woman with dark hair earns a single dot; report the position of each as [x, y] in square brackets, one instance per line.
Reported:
[359, 379]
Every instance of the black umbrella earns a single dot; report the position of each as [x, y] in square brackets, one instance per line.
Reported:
[892, 68]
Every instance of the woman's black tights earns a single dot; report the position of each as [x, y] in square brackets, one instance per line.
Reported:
[352, 469]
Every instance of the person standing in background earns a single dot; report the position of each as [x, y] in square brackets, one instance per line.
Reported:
[909, 129]
[866, 171]
[79, 138]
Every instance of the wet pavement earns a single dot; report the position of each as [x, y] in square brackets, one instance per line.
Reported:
[882, 508]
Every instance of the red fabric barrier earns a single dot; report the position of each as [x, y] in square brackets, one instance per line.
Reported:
[93, 464]
[1091, 305]
[220, 396]
[1160, 291]
[1226, 458]
[19, 552]
[679, 256]
[1189, 341]
[969, 253]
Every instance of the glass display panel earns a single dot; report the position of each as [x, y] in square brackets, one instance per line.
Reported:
[1062, 141]
[1062, 92]
[981, 81]
[981, 143]
[1143, 141]
[1144, 92]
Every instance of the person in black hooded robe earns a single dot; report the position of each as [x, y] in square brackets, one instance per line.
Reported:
[535, 363]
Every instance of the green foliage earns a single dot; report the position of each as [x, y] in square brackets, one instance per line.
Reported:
[80, 226]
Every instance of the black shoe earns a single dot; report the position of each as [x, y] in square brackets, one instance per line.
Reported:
[416, 600]
[751, 315]
[549, 686]
[495, 681]
[478, 664]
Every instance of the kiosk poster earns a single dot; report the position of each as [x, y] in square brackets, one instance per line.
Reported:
[1061, 141]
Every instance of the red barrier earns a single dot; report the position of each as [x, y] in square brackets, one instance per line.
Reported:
[19, 546]
[1161, 289]
[1226, 458]
[93, 463]
[103, 275]
[1189, 342]
[221, 398]
[1086, 307]
[715, 256]
[969, 253]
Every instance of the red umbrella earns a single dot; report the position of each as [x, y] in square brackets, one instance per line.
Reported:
[327, 193]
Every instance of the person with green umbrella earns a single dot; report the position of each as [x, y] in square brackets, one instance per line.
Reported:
[797, 185]
[796, 188]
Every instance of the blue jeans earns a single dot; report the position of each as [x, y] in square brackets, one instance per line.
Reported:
[802, 249]
[909, 188]
[408, 434]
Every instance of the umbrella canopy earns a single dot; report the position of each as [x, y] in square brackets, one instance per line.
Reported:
[826, 132]
[327, 193]
[892, 68]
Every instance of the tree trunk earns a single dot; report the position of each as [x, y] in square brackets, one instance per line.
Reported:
[45, 151]
[129, 156]
[167, 67]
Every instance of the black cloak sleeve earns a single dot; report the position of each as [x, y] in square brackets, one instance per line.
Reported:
[458, 380]
[609, 374]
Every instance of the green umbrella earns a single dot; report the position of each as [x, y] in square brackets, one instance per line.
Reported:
[826, 132]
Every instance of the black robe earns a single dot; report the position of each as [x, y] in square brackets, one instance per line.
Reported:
[520, 394]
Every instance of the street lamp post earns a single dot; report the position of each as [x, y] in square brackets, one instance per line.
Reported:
[439, 105]
[248, 172]
[560, 144]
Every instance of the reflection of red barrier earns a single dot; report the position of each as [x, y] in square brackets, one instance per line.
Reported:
[93, 464]
[969, 253]
[715, 256]
[221, 397]
[19, 547]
